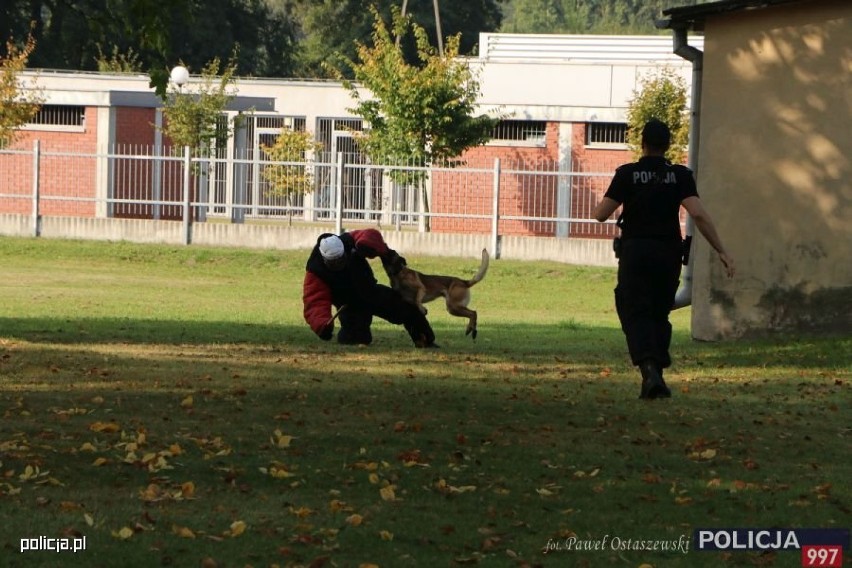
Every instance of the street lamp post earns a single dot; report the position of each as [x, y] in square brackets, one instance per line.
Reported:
[179, 76]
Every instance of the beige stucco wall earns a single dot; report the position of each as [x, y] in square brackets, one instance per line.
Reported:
[775, 171]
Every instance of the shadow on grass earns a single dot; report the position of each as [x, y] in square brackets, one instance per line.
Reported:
[480, 440]
[568, 339]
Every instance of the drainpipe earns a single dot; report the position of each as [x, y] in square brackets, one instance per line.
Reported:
[683, 297]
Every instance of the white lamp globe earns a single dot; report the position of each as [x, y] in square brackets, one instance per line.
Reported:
[180, 75]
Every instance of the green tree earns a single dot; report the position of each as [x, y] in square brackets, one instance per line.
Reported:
[586, 16]
[289, 176]
[418, 114]
[548, 17]
[662, 95]
[329, 27]
[192, 112]
[17, 105]
[72, 34]
[118, 62]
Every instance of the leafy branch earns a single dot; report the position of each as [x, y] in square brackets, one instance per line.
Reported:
[287, 173]
[192, 115]
[18, 106]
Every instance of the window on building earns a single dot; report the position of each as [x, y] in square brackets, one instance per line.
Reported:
[524, 132]
[59, 115]
[296, 123]
[606, 134]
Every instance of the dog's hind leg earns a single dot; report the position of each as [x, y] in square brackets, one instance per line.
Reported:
[461, 310]
[471, 322]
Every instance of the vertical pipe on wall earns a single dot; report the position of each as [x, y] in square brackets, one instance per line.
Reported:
[683, 297]
[187, 193]
[36, 189]
[495, 209]
[157, 173]
[338, 194]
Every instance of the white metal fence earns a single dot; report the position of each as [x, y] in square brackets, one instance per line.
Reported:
[501, 197]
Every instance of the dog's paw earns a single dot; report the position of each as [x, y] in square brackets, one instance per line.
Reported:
[423, 310]
[471, 331]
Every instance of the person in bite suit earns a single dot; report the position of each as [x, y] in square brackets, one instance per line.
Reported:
[338, 274]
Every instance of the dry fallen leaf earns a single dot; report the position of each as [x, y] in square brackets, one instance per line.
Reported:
[302, 512]
[183, 532]
[107, 427]
[124, 533]
[187, 490]
[150, 493]
[237, 528]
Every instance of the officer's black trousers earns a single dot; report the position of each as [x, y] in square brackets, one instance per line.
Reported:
[648, 276]
[387, 304]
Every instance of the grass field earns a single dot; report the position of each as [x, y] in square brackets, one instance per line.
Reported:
[170, 405]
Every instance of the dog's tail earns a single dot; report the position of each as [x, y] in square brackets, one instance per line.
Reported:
[483, 268]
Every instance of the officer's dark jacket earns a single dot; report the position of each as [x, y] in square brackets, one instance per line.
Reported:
[651, 191]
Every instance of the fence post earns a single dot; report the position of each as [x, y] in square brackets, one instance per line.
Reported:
[338, 191]
[187, 194]
[36, 187]
[495, 208]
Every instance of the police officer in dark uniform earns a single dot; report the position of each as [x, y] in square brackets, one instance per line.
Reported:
[651, 192]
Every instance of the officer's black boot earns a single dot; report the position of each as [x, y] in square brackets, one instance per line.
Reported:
[653, 385]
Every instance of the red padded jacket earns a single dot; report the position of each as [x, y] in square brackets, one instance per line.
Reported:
[323, 288]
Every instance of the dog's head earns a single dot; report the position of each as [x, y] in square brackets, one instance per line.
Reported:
[393, 265]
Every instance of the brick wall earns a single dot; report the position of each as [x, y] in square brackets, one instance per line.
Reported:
[134, 125]
[59, 176]
[133, 179]
[586, 192]
[528, 186]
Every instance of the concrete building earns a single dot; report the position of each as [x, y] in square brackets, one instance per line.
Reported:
[773, 164]
[564, 100]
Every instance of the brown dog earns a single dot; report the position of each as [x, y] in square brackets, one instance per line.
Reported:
[418, 288]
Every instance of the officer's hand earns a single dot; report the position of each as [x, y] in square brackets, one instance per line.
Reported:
[729, 264]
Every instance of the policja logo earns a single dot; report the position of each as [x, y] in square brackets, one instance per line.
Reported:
[768, 539]
[746, 539]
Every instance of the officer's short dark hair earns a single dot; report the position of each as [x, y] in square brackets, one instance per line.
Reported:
[656, 135]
